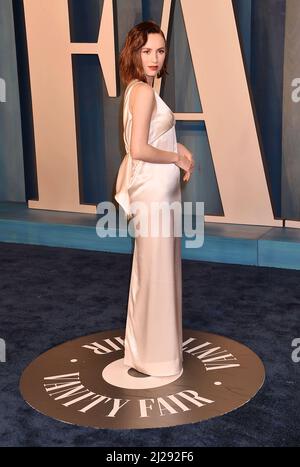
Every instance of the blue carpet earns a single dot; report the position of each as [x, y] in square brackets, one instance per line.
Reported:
[51, 295]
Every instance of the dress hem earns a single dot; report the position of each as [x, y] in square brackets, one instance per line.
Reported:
[152, 368]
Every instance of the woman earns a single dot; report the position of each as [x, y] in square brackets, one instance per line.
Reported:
[149, 173]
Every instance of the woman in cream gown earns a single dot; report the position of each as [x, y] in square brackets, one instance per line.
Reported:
[153, 335]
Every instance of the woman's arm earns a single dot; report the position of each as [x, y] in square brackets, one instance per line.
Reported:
[143, 103]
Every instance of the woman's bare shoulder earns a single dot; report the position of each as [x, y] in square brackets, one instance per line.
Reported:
[141, 84]
[143, 91]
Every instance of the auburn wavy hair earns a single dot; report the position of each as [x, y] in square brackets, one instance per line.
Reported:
[130, 63]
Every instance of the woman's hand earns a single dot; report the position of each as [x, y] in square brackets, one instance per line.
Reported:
[188, 168]
[183, 162]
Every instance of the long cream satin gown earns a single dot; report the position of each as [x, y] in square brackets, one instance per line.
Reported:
[153, 335]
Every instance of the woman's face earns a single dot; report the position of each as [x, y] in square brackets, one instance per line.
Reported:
[153, 54]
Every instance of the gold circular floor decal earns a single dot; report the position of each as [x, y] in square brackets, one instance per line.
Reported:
[85, 382]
